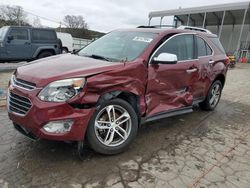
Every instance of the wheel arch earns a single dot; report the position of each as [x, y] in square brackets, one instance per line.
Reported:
[66, 48]
[131, 98]
[221, 78]
[40, 50]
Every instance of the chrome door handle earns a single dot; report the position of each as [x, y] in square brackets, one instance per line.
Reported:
[191, 70]
[211, 62]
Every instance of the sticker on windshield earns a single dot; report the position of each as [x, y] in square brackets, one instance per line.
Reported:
[143, 39]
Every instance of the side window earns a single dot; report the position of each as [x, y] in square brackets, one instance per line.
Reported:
[201, 47]
[209, 50]
[216, 41]
[182, 46]
[43, 35]
[19, 34]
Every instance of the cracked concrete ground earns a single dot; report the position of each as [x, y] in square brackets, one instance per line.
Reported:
[202, 149]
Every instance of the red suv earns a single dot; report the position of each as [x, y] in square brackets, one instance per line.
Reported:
[105, 91]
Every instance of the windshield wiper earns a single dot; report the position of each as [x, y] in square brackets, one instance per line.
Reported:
[98, 57]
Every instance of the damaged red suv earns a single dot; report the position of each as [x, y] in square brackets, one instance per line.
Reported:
[105, 91]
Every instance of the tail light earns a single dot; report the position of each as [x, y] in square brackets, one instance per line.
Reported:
[227, 61]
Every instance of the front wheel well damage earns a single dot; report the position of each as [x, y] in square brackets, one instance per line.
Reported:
[131, 98]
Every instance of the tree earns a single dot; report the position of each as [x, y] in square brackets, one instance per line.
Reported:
[13, 15]
[75, 22]
[37, 22]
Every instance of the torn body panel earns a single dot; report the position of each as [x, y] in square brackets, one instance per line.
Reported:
[131, 79]
[168, 87]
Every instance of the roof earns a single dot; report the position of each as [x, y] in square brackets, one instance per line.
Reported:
[234, 13]
[29, 27]
[165, 31]
[145, 30]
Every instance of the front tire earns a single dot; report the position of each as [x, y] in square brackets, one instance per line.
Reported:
[113, 127]
[213, 96]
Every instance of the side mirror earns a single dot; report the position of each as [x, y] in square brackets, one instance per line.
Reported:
[10, 38]
[165, 58]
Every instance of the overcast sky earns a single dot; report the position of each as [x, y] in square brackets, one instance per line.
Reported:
[104, 15]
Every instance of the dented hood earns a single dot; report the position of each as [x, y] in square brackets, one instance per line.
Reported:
[44, 71]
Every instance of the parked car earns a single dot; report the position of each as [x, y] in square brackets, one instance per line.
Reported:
[27, 43]
[127, 77]
[67, 42]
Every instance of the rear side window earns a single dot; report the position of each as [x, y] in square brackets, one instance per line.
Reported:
[19, 34]
[209, 50]
[182, 46]
[43, 36]
[201, 45]
[216, 41]
[203, 48]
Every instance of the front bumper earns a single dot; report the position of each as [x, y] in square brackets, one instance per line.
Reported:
[43, 112]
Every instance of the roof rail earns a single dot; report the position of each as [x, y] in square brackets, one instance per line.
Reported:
[194, 29]
[156, 26]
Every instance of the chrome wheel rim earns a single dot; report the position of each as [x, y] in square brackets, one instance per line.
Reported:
[215, 95]
[113, 125]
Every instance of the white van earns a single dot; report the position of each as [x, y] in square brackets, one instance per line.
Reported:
[67, 41]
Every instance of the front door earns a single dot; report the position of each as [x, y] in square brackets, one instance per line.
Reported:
[169, 84]
[18, 44]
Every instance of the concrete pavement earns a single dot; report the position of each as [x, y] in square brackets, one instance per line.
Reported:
[202, 149]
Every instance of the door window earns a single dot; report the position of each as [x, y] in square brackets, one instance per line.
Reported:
[203, 48]
[182, 46]
[19, 34]
[209, 50]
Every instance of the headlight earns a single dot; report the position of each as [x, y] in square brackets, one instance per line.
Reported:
[62, 90]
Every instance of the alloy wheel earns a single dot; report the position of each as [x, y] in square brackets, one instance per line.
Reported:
[215, 95]
[113, 125]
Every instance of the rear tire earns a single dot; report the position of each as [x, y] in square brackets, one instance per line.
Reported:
[44, 54]
[213, 97]
[65, 51]
[113, 127]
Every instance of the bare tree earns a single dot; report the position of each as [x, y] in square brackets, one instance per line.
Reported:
[37, 22]
[75, 22]
[13, 14]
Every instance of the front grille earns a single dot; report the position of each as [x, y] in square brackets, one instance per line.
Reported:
[23, 84]
[18, 104]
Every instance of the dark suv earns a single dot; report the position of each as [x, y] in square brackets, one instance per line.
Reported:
[121, 80]
[27, 43]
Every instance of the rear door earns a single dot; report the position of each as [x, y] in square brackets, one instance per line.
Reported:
[206, 60]
[19, 46]
[169, 85]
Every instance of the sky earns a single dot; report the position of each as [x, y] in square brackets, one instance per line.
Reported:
[105, 15]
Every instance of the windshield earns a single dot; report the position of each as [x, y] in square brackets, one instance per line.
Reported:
[3, 30]
[119, 45]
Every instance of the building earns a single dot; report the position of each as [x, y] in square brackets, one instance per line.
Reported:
[231, 22]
